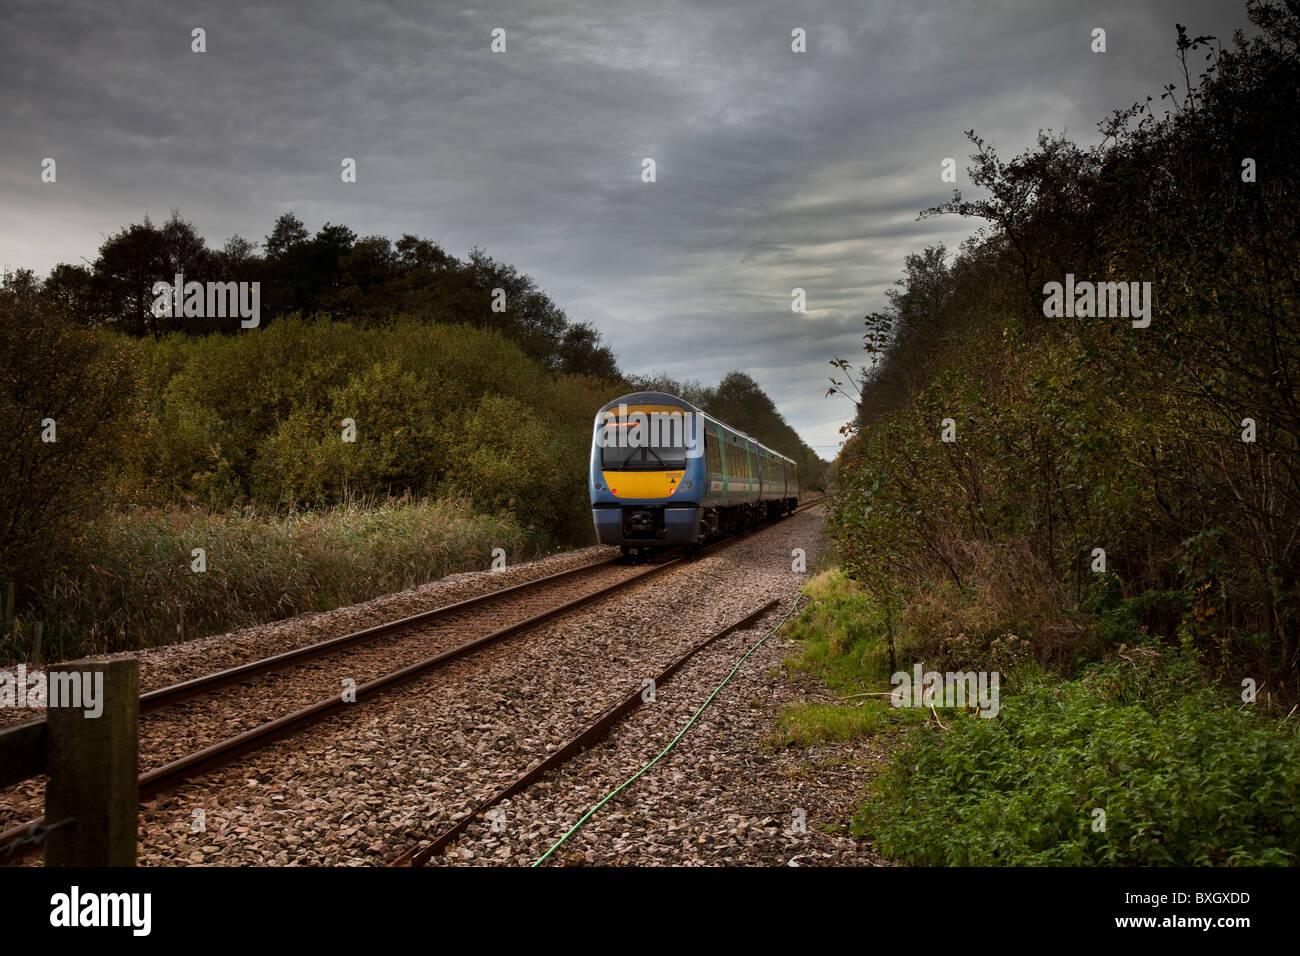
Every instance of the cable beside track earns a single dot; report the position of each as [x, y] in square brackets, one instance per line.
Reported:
[596, 731]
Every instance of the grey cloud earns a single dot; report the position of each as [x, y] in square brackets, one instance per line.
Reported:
[775, 170]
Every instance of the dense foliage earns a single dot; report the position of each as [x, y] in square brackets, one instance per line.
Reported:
[1141, 760]
[125, 454]
[1175, 448]
[68, 415]
[1181, 775]
[437, 409]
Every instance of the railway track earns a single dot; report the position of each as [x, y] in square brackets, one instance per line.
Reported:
[590, 735]
[425, 642]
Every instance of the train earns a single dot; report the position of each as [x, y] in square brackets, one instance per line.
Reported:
[664, 473]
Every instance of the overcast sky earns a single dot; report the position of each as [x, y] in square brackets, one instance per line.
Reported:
[775, 169]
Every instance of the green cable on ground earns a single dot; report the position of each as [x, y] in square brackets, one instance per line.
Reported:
[672, 743]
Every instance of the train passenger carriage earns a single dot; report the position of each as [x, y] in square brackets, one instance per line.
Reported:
[665, 473]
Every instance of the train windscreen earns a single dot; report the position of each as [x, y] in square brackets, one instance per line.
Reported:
[643, 459]
[648, 438]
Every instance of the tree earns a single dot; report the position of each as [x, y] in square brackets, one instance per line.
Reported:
[1173, 445]
[287, 233]
[21, 284]
[185, 253]
[67, 407]
[580, 353]
[71, 288]
[129, 263]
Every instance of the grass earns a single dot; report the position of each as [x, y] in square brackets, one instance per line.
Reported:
[129, 583]
[841, 634]
[808, 724]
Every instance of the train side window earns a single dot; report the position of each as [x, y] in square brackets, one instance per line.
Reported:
[712, 455]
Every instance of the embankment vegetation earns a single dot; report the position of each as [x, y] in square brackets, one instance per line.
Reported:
[1105, 511]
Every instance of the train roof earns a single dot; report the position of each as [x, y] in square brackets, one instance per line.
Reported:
[664, 398]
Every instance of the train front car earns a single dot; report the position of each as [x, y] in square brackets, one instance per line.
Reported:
[647, 471]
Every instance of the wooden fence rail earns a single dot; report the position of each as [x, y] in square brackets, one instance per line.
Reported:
[92, 797]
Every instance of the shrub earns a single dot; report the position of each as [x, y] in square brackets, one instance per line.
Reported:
[1184, 778]
[87, 386]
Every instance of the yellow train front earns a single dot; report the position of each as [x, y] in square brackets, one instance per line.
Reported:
[664, 473]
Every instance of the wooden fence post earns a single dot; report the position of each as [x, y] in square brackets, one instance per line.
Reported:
[93, 766]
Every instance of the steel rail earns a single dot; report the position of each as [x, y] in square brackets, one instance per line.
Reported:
[165, 696]
[177, 772]
[590, 735]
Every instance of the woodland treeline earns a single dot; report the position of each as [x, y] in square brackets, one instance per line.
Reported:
[382, 426]
[1174, 448]
[365, 281]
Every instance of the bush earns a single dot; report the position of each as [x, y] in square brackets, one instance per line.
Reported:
[507, 460]
[53, 370]
[1010, 610]
[1185, 777]
[258, 417]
